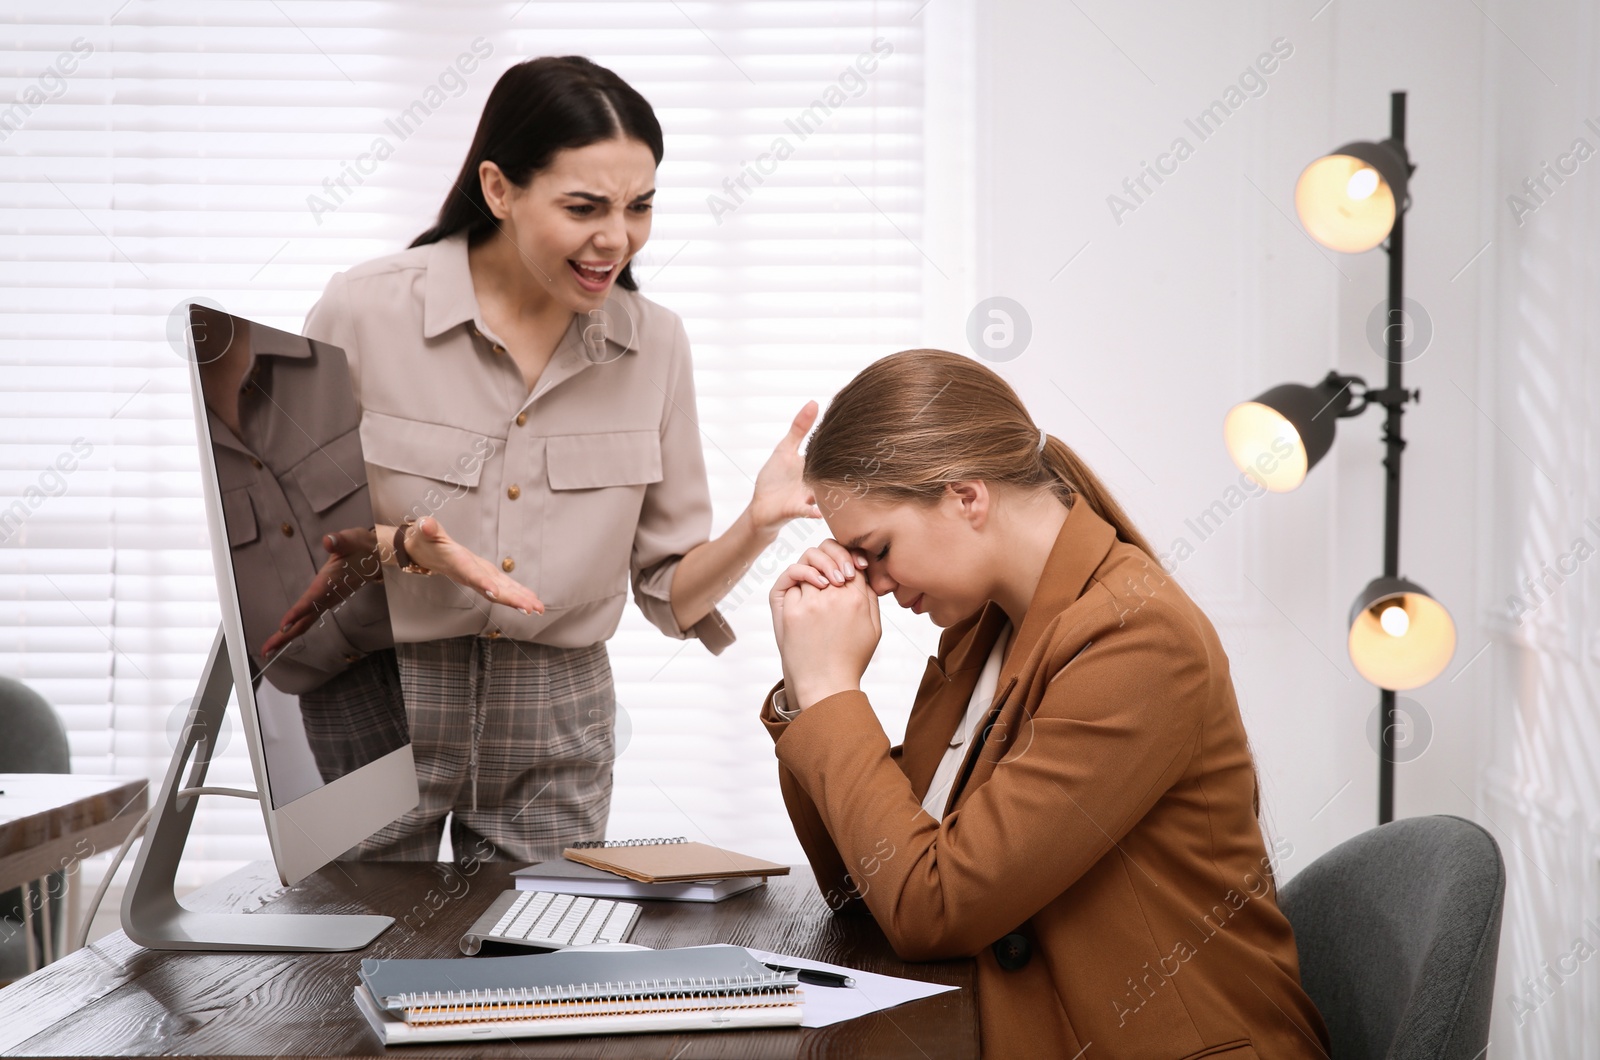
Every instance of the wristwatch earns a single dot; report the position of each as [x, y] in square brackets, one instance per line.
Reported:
[401, 559]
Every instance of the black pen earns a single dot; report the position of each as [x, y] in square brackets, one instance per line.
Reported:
[815, 976]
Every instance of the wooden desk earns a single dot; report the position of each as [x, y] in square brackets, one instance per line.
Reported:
[116, 997]
[50, 821]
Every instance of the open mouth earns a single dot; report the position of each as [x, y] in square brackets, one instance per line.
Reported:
[592, 275]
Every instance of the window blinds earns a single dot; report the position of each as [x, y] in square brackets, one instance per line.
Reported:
[244, 151]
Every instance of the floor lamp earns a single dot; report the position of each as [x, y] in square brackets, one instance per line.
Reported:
[1400, 637]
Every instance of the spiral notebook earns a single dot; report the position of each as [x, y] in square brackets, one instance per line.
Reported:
[575, 992]
[675, 860]
[569, 877]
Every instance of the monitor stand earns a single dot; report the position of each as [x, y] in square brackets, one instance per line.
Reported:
[151, 913]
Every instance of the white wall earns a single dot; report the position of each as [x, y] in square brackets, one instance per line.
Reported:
[1541, 392]
[1207, 292]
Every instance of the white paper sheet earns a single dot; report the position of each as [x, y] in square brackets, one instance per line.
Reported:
[827, 1005]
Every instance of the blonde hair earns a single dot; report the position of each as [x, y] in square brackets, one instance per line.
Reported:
[913, 422]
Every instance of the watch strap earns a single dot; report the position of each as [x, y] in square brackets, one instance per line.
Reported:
[402, 559]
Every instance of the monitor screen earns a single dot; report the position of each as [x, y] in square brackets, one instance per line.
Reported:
[284, 436]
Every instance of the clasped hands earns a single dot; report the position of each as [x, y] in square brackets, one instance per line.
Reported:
[825, 618]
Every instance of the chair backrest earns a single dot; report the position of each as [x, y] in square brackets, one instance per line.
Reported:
[35, 740]
[1398, 931]
[32, 740]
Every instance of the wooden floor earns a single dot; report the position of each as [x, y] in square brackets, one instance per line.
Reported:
[117, 998]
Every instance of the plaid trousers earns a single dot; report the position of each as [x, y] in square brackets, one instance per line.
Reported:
[515, 740]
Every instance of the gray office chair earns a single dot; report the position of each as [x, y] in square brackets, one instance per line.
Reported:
[35, 742]
[1398, 930]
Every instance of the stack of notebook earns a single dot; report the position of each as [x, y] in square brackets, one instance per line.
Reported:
[673, 869]
[575, 992]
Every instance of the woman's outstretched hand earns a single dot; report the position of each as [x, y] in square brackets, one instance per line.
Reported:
[429, 545]
[825, 617]
[780, 495]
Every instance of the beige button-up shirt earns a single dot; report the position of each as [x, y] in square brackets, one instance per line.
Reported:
[595, 478]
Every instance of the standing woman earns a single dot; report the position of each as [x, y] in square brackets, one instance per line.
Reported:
[516, 389]
[1074, 803]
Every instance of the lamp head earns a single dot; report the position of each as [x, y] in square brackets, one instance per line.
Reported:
[1400, 637]
[1281, 435]
[1348, 200]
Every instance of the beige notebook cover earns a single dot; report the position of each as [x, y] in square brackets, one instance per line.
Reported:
[678, 862]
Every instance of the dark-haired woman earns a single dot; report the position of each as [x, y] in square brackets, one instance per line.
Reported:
[516, 389]
[1074, 803]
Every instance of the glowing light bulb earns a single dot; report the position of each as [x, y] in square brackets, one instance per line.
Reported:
[1363, 182]
[1394, 620]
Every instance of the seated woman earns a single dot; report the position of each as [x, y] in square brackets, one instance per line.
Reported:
[1075, 801]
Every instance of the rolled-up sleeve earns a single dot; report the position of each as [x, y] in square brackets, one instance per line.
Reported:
[676, 515]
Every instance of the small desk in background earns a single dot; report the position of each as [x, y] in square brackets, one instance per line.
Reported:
[50, 821]
[117, 997]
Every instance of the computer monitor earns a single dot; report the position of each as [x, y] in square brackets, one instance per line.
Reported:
[281, 468]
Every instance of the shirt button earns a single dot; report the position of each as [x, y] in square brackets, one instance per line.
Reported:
[508, 564]
[255, 463]
[522, 419]
[288, 530]
[494, 634]
[514, 492]
[351, 657]
[499, 349]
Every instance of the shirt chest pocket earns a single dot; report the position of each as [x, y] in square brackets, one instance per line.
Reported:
[416, 469]
[333, 473]
[239, 517]
[418, 447]
[426, 469]
[595, 461]
[597, 489]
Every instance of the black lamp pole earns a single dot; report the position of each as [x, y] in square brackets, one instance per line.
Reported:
[1394, 399]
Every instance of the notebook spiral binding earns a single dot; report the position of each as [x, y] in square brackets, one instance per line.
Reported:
[482, 1008]
[600, 844]
[633, 990]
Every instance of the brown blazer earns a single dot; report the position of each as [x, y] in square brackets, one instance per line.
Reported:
[1100, 854]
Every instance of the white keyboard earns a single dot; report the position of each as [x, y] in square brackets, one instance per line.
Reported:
[544, 920]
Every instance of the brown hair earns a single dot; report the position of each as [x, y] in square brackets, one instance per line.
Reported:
[540, 107]
[915, 421]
